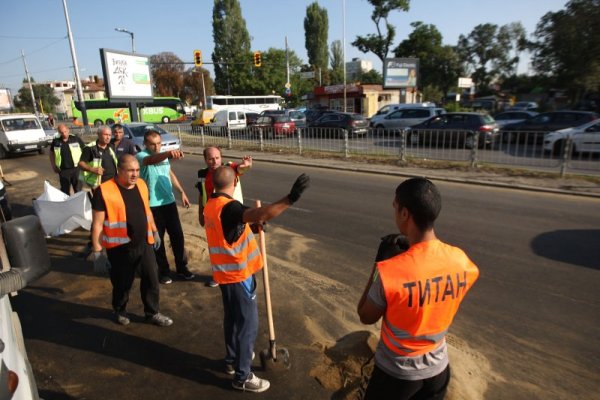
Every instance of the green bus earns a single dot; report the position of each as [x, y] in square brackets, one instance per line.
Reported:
[101, 111]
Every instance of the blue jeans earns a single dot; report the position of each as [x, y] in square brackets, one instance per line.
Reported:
[240, 325]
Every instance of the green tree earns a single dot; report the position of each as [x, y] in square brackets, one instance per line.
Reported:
[487, 53]
[44, 98]
[380, 43]
[438, 64]
[193, 79]
[568, 47]
[337, 63]
[372, 77]
[316, 27]
[231, 56]
[167, 74]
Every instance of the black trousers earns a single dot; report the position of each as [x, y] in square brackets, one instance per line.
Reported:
[125, 261]
[166, 219]
[69, 178]
[383, 386]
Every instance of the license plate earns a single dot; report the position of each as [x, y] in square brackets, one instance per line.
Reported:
[31, 146]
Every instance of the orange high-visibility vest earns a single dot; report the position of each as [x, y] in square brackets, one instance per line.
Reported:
[423, 287]
[115, 223]
[231, 263]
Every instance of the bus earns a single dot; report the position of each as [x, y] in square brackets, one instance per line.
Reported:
[255, 104]
[102, 111]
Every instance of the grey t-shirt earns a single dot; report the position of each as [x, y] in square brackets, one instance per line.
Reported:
[408, 368]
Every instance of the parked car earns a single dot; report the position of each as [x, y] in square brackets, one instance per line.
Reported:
[202, 119]
[25, 259]
[390, 108]
[513, 117]
[271, 126]
[21, 133]
[298, 117]
[228, 119]
[251, 118]
[584, 139]
[524, 106]
[405, 117]
[532, 130]
[457, 129]
[135, 132]
[315, 113]
[354, 124]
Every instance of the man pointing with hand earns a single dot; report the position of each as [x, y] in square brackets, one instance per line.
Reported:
[235, 258]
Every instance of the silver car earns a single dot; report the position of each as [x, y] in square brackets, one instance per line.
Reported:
[135, 132]
[406, 117]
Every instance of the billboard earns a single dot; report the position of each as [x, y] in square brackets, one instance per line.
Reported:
[126, 75]
[5, 100]
[399, 73]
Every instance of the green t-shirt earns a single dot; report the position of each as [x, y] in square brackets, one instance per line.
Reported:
[158, 179]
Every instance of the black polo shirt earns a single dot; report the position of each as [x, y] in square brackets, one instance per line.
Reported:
[108, 163]
[66, 160]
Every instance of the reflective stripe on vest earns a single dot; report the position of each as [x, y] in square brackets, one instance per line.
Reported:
[230, 263]
[114, 228]
[423, 287]
[91, 178]
[74, 150]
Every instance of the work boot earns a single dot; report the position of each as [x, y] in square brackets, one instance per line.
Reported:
[252, 384]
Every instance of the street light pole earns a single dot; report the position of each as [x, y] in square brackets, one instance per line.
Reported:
[129, 33]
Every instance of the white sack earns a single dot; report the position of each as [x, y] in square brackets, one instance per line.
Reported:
[60, 214]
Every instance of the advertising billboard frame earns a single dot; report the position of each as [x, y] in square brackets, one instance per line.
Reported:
[127, 75]
[400, 73]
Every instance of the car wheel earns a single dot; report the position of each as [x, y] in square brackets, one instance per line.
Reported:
[470, 141]
[98, 122]
[110, 121]
[558, 148]
[165, 120]
[41, 150]
[2, 152]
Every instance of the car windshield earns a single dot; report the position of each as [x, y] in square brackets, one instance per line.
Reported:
[140, 130]
[19, 124]
[282, 119]
[357, 117]
[487, 119]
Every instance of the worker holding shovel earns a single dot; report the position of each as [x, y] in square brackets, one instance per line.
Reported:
[235, 258]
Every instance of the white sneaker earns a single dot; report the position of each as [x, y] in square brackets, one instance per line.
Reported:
[212, 283]
[252, 384]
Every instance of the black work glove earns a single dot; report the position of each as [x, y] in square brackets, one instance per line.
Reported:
[391, 245]
[300, 186]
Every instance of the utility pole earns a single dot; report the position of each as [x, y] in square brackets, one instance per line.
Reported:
[35, 109]
[76, 68]
[344, 49]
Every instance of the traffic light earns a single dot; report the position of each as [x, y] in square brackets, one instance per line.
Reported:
[257, 60]
[197, 58]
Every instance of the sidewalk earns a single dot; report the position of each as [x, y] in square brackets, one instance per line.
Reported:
[497, 177]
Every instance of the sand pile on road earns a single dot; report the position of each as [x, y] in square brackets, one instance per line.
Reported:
[345, 366]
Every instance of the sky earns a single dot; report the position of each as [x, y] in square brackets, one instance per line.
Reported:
[38, 27]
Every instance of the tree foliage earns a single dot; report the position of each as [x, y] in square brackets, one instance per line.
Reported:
[167, 74]
[232, 56]
[439, 67]
[380, 43]
[44, 97]
[568, 47]
[193, 79]
[337, 63]
[316, 27]
[486, 51]
[372, 77]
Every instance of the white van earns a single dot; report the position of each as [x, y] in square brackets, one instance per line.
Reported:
[229, 119]
[20, 133]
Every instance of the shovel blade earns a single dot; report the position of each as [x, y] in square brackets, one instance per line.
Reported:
[278, 361]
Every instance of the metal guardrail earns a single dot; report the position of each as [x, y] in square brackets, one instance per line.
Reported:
[517, 149]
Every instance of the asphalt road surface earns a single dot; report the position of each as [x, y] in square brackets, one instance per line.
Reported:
[533, 317]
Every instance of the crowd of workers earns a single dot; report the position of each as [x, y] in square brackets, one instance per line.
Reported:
[416, 285]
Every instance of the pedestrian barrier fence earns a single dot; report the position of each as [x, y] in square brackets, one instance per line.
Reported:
[474, 148]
